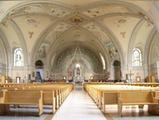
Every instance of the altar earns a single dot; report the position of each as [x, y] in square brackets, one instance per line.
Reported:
[78, 79]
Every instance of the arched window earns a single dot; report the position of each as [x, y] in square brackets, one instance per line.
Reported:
[136, 57]
[18, 57]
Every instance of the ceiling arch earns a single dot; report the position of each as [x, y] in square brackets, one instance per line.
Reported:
[5, 49]
[49, 20]
[22, 40]
[90, 42]
[77, 54]
[147, 53]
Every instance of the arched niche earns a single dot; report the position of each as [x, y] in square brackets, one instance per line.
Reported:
[117, 70]
[39, 71]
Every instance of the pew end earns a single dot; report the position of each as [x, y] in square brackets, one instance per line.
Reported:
[21, 97]
[108, 98]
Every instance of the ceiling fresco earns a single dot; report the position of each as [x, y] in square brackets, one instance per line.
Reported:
[49, 27]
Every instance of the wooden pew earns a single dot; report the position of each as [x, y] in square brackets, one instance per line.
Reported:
[108, 98]
[49, 98]
[120, 95]
[3, 108]
[23, 97]
[154, 109]
[53, 94]
[135, 98]
[1, 96]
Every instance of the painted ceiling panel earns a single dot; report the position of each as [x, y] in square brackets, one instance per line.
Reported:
[78, 2]
[32, 27]
[106, 9]
[122, 28]
[107, 26]
[48, 9]
[12, 38]
[143, 34]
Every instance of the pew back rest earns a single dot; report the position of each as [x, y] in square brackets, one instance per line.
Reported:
[23, 96]
[110, 98]
[135, 97]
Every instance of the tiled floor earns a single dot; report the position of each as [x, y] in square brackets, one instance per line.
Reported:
[78, 106]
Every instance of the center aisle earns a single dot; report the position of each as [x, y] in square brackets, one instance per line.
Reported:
[78, 106]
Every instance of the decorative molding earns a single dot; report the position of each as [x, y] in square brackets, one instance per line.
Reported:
[21, 40]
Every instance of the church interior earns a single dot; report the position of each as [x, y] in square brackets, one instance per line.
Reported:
[79, 59]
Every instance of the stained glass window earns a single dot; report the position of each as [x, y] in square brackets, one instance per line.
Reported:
[136, 57]
[18, 57]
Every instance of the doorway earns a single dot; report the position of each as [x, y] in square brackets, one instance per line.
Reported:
[117, 71]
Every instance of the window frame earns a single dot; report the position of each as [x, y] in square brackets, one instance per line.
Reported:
[136, 59]
[15, 54]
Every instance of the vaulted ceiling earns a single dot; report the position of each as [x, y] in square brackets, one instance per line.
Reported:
[46, 28]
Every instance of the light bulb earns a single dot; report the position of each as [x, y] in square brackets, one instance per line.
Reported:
[77, 65]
